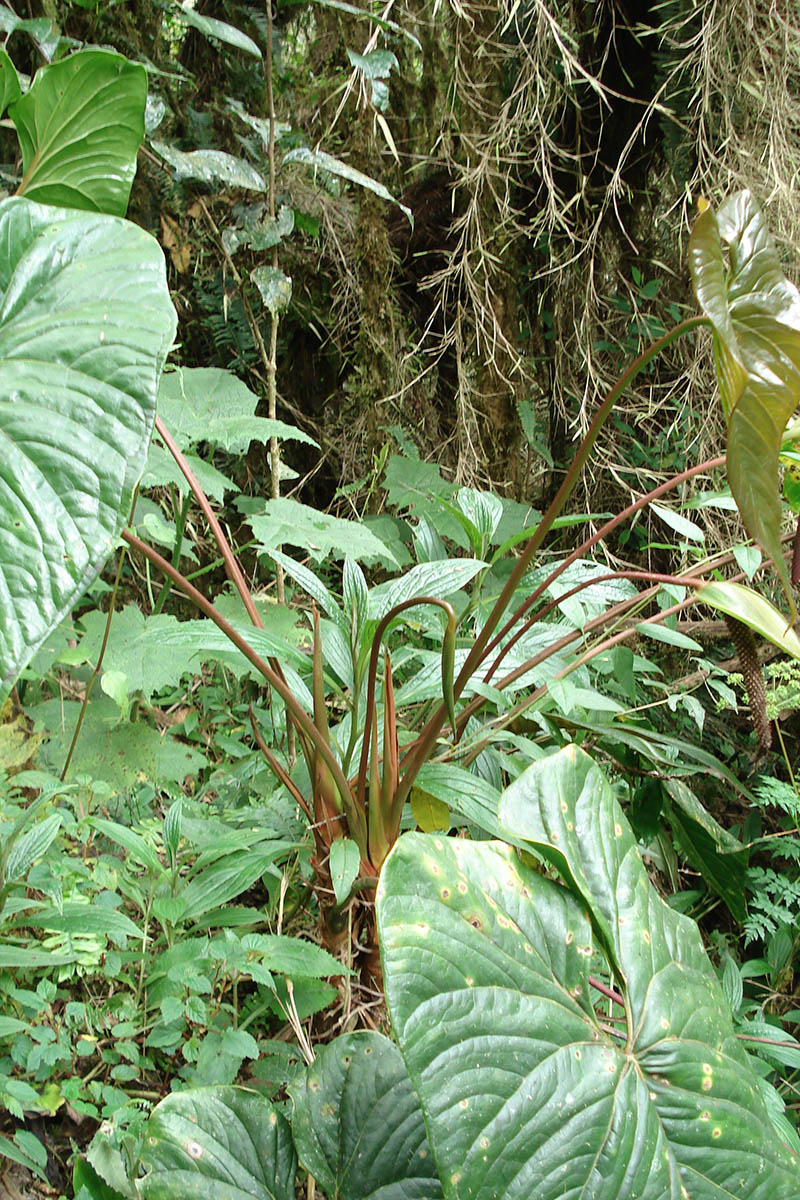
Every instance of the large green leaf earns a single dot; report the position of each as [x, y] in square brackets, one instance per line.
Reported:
[358, 1125]
[80, 126]
[755, 315]
[526, 1092]
[207, 404]
[217, 1143]
[747, 606]
[85, 325]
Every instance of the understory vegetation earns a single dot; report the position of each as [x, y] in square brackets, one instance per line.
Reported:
[399, 676]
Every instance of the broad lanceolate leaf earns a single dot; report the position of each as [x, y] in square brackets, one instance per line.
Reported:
[80, 126]
[525, 1091]
[211, 166]
[334, 166]
[747, 606]
[85, 325]
[755, 315]
[358, 1126]
[221, 30]
[217, 1143]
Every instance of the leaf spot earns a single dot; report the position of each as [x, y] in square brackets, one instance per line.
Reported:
[422, 930]
[528, 948]
[570, 826]
[194, 1150]
[705, 1115]
[469, 981]
[617, 831]
[664, 1023]
[646, 935]
[454, 1179]
[445, 893]
[484, 1143]
[463, 1104]
[273, 1119]
[563, 806]
[570, 937]
[503, 922]
[462, 887]
[707, 1083]
[716, 1132]
[554, 836]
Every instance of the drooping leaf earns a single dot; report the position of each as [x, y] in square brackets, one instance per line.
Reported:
[42, 30]
[526, 1091]
[217, 1143]
[682, 525]
[211, 166]
[755, 316]
[80, 125]
[85, 325]
[358, 1126]
[752, 609]
[334, 166]
[212, 28]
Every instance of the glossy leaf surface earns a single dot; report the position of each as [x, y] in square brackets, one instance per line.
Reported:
[755, 315]
[80, 126]
[217, 1143]
[526, 1092]
[358, 1126]
[751, 609]
[85, 325]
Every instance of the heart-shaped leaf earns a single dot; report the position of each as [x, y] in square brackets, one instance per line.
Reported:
[755, 315]
[80, 125]
[85, 325]
[217, 1143]
[358, 1126]
[526, 1091]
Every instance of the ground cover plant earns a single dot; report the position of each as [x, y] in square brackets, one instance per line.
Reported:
[416, 700]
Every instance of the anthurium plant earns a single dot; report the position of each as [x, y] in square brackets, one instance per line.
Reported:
[560, 1030]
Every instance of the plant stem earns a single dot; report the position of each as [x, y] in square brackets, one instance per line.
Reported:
[431, 731]
[85, 702]
[180, 525]
[299, 715]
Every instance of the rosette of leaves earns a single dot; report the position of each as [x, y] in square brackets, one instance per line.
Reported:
[527, 1090]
